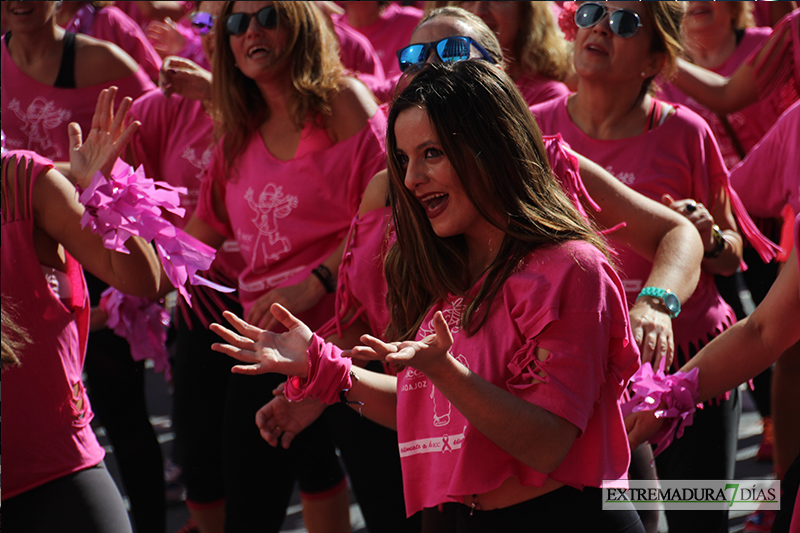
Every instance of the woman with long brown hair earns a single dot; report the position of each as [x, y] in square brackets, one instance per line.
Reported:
[492, 271]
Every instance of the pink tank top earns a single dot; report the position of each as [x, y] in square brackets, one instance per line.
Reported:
[46, 414]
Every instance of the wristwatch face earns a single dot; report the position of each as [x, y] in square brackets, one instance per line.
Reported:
[672, 303]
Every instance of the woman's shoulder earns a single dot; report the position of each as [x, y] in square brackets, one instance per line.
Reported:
[351, 109]
[101, 62]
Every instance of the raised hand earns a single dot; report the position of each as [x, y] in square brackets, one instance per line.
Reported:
[423, 355]
[265, 351]
[106, 140]
[280, 421]
[186, 78]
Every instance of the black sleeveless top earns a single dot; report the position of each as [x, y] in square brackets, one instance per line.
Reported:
[66, 70]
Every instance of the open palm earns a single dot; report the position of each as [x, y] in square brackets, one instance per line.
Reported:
[265, 351]
[105, 142]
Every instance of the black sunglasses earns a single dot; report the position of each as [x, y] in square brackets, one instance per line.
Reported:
[449, 49]
[623, 22]
[237, 23]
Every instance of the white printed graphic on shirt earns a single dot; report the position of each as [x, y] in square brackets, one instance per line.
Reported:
[445, 443]
[625, 177]
[201, 163]
[40, 117]
[442, 407]
[271, 206]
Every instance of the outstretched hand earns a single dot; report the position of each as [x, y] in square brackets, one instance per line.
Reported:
[265, 351]
[105, 142]
[424, 355]
[280, 421]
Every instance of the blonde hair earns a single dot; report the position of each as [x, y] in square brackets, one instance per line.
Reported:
[741, 15]
[667, 18]
[316, 71]
[540, 47]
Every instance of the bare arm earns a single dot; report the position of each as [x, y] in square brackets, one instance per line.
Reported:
[656, 233]
[58, 213]
[752, 344]
[719, 94]
[525, 431]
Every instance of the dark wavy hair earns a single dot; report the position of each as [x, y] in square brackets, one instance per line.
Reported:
[495, 147]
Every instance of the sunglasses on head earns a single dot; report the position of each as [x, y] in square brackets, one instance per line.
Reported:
[449, 49]
[623, 22]
[237, 23]
[203, 23]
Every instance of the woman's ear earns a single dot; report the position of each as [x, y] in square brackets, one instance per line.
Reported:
[655, 65]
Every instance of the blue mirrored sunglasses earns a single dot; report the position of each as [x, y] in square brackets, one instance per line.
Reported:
[237, 23]
[203, 23]
[449, 49]
[623, 22]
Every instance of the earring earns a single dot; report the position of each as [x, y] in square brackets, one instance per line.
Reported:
[644, 74]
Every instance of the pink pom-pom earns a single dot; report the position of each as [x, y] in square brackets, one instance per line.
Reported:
[129, 204]
[672, 396]
[143, 323]
[566, 20]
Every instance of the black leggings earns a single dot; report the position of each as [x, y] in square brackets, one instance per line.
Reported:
[565, 510]
[707, 450]
[116, 387]
[372, 459]
[87, 501]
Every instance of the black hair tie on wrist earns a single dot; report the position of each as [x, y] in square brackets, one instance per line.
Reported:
[325, 277]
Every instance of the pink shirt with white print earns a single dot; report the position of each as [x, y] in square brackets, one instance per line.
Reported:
[46, 412]
[35, 115]
[556, 291]
[750, 123]
[289, 216]
[175, 143]
[680, 158]
[769, 177]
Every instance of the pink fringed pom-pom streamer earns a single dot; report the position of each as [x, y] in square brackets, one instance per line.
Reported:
[128, 204]
[566, 20]
[672, 396]
[143, 323]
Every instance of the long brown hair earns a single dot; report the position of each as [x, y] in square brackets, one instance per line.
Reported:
[497, 152]
[316, 72]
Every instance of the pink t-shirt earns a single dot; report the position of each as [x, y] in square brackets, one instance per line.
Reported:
[288, 216]
[358, 56]
[361, 284]
[175, 143]
[113, 25]
[680, 158]
[35, 115]
[390, 33]
[46, 412]
[750, 123]
[556, 291]
[537, 89]
[769, 177]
